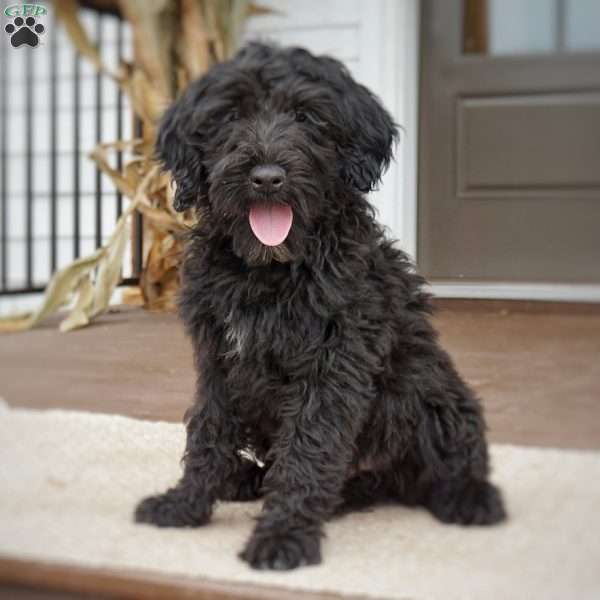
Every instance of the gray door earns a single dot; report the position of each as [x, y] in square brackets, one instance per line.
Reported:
[509, 166]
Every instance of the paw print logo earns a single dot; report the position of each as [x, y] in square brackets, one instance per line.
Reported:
[24, 31]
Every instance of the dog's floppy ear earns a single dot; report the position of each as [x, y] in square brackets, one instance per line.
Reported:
[367, 153]
[179, 154]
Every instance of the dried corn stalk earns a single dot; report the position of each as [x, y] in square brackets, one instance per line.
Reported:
[175, 41]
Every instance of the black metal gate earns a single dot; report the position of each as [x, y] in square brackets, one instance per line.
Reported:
[54, 108]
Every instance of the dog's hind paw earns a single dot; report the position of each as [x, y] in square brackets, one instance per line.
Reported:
[476, 502]
[174, 508]
[281, 551]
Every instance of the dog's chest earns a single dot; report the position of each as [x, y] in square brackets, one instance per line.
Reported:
[238, 334]
[249, 335]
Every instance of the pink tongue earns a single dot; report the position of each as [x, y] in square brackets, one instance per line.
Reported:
[271, 223]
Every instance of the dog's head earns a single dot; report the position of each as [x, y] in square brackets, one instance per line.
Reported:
[270, 143]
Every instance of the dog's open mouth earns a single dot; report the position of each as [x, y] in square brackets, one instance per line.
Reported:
[271, 222]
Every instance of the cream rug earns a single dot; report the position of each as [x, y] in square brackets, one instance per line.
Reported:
[69, 482]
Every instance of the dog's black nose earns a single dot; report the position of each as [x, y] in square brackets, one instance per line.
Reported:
[267, 178]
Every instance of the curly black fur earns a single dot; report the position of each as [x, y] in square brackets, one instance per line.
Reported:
[316, 355]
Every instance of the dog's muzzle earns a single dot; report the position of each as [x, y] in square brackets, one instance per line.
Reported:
[270, 220]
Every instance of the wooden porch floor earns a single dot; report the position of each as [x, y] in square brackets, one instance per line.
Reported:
[536, 366]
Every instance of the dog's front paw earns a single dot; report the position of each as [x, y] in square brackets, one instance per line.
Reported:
[282, 550]
[175, 508]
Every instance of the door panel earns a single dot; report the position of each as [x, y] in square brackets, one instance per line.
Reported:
[509, 182]
[503, 143]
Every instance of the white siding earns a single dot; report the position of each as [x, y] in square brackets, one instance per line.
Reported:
[324, 27]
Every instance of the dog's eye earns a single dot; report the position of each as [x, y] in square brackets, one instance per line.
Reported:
[234, 115]
[300, 116]
[307, 116]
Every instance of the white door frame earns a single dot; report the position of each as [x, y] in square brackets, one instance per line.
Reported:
[391, 46]
[390, 55]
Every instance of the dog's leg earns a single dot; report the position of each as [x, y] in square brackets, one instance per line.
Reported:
[310, 460]
[449, 461]
[210, 460]
[461, 492]
[246, 484]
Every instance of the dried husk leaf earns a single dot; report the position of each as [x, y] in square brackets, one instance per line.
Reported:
[154, 27]
[256, 10]
[63, 282]
[161, 220]
[109, 273]
[231, 17]
[154, 185]
[127, 180]
[67, 12]
[215, 25]
[132, 296]
[148, 102]
[15, 323]
[133, 173]
[166, 298]
[121, 183]
[80, 314]
[94, 302]
[195, 40]
[160, 279]
[58, 292]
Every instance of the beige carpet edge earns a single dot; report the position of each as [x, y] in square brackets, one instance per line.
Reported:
[71, 479]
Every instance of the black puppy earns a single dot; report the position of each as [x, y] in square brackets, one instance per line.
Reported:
[313, 347]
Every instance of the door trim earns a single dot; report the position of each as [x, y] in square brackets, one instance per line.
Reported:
[391, 55]
[516, 291]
